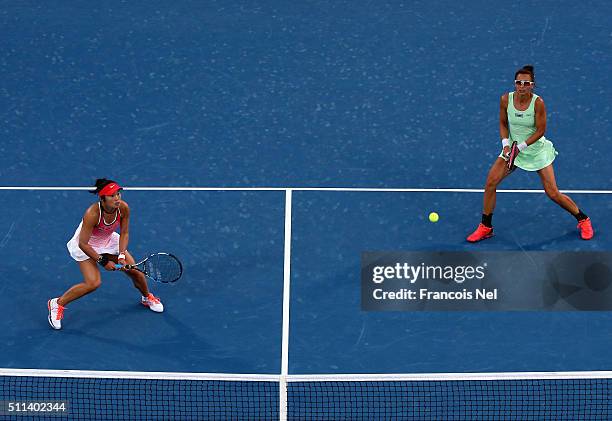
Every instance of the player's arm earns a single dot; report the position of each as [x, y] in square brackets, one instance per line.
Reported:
[540, 122]
[504, 132]
[124, 235]
[90, 219]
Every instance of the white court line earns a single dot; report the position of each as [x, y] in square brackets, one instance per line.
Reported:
[286, 302]
[417, 377]
[148, 375]
[322, 189]
[142, 375]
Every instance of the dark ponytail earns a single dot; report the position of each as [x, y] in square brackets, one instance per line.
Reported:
[526, 70]
[100, 183]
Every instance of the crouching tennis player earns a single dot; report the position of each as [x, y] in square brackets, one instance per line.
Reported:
[522, 118]
[96, 242]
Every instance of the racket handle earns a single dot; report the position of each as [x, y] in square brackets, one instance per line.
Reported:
[126, 267]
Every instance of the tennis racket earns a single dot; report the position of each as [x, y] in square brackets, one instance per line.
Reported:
[159, 267]
[514, 151]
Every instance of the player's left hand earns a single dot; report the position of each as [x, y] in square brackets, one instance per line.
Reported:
[121, 259]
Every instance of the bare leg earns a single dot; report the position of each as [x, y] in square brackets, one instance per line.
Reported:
[139, 280]
[547, 175]
[497, 173]
[91, 281]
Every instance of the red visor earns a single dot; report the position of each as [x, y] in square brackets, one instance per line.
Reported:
[110, 189]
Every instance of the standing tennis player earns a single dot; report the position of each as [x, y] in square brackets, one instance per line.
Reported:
[96, 242]
[522, 119]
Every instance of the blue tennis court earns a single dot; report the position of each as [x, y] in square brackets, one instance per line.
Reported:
[235, 124]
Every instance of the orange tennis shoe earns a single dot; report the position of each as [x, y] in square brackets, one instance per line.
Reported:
[56, 314]
[586, 229]
[482, 233]
[153, 303]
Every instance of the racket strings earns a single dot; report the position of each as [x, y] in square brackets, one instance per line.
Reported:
[163, 268]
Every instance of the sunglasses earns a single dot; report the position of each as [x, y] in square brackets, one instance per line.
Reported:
[524, 82]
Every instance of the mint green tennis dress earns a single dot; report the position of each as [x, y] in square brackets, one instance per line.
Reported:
[521, 125]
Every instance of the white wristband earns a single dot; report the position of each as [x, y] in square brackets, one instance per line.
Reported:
[121, 256]
[505, 142]
[522, 146]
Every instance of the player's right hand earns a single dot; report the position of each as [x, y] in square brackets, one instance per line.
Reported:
[506, 153]
[110, 265]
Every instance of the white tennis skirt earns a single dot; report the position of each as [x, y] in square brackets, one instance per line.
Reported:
[112, 247]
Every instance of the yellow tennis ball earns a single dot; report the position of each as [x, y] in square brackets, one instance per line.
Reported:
[434, 217]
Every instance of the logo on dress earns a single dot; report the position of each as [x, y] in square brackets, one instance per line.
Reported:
[520, 115]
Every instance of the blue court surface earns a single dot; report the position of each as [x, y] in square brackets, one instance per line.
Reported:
[276, 94]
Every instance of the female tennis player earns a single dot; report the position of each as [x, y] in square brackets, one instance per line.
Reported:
[95, 242]
[522, 119]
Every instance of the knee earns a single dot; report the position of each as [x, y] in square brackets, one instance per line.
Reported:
[136, 276]
[491, 184]
[92, 284]
[553, 194]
